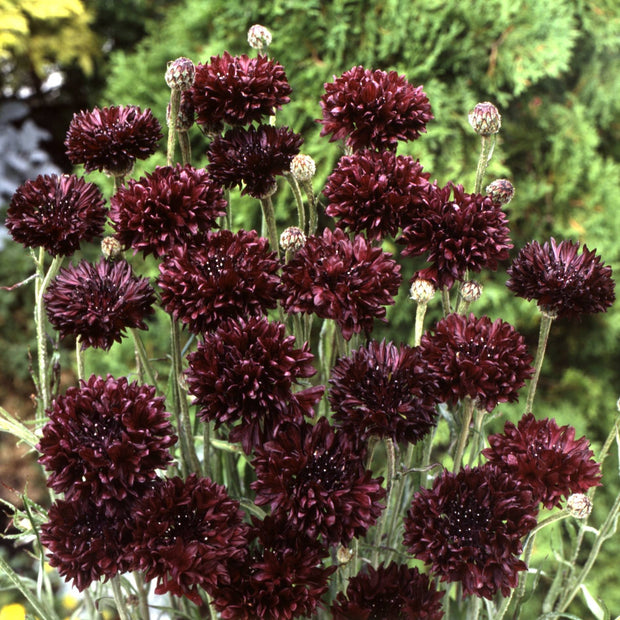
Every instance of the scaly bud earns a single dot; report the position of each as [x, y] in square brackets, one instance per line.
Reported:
[485, 119]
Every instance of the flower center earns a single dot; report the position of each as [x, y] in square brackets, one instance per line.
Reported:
[325, 469]
[466, 522]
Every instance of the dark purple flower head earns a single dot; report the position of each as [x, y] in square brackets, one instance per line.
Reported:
[336, 278]
[226, 276]
[468, 527]
[85, 542]
[56, 213]
[105, 439]
[252, 158]
[111, 139]
[243, 376]
[487, 361]
[369, 191]
[545, 457]
[395, 591]
[169, 207]
[561, 280]
[315, 479]
[373, 109]
[238, 90]
[458, 232]
[383, 390]
[186, 532]
[97, 303]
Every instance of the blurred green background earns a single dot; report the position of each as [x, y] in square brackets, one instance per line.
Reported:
[551, 66]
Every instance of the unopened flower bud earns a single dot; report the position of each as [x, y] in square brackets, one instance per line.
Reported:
[303, 167]
[292, 239]
[344, 555]
[500, 191]
[180, 73]
[422, 291]
[259, 37]
[471, 291]
[579, 505]
[111, 247]
[485, 119]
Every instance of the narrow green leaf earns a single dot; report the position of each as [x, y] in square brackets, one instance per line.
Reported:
[9, 424]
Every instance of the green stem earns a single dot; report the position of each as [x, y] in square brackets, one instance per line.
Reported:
[270, 221]
[301, 215]
[175, 102]
[418, 329]
[543, 337]
[143, 596]
[487, 144]
[79, 358]
[312, 207]
[445, 300]
[391, 463]
[186, 147]
[468, 411]
[119, 599]
[477, 439]
[145, 364]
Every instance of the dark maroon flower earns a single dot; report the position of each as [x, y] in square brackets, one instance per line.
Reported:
[185, 534]
[336, 278]
[458, 232]
[282, 577]
[394, 591]
[368, 192]
[227, 276]
[253, 158]
[168, 207]
[85, 542]
[56, 213]
[469, 527]
[383, 390]
[561, 280]
[243, 376]
[96, 303]
[238, 90]
[487, 361]
[373, 109]
[315, 479]
[545, 457]
[111, 139]
[105, 439]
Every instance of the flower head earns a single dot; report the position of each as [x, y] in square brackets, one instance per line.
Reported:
[105, 439]
[97, 303]
[238, 90]
[56, 213]
[259, 37]
[458, 232]
[487, 361]
[369, 191]
[315, 479]
[393, 591]
[545, 457]
[373, 109]
[303, 167]
[169, 207]
[180, 74]
[336, 278]
[111, 139]
[562, 280]
[383, 390]
[468, 527]
[500, 191]
[485, 119]
[185, 533]
[253, 158]
[243, 374]
[227, 276]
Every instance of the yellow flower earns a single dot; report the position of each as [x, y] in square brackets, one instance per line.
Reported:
[14, 611]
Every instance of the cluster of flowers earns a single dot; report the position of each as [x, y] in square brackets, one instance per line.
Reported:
[108, 441]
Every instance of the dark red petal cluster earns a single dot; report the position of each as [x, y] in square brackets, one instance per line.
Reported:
[487, 361]
[314, 478]
[468, 527]
[545, 457]
[383, 390]
[283, 576]
[226, 276]
[336, 278]
[393, 591]
[56, 213]
[243, 375]
[369, 192]
[562, 280]
[186, 532]
[86, 543]
[252, 158]
[105, 439]
[111, 139]
[169, 207]
[373, 109]
[97, 303]
[238, 90]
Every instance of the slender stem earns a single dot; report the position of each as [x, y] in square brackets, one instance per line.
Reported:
[143, 596]
[145, 364]
[119, 598]
[312, 207]
[445, 300]
[468, 411]
[301, 215]
[270, 221]
[391, 462]
[420, 313]
[487, 144]
[477, 439]
[79, 358]
[186, 147]
[543, 337]
[175, 102]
